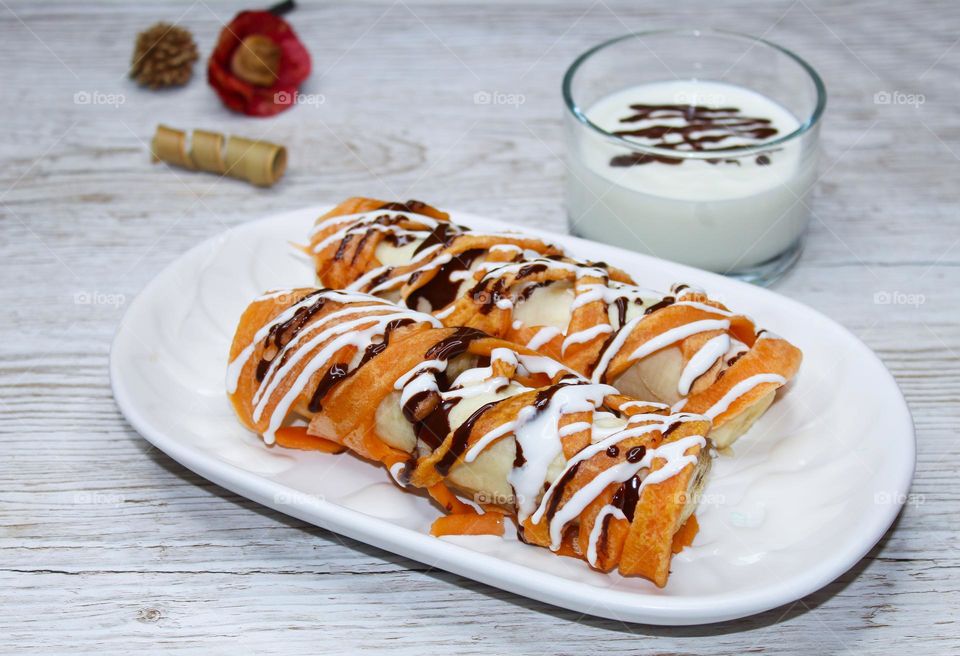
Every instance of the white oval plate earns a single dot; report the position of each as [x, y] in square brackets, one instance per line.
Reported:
[806, 494]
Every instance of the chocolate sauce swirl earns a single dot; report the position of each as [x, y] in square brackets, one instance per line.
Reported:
[281, 333]
[340, 371]
[440, 291]
[456, 344]
[700, 129]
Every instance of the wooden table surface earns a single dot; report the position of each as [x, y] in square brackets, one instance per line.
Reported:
[108, 545]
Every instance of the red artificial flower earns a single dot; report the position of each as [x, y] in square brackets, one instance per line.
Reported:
[258, 64]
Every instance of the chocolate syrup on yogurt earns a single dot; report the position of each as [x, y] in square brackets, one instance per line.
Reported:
[691, 128]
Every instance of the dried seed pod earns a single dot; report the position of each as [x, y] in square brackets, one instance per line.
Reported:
[163, 56]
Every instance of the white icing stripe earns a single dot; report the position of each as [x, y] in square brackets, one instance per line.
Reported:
[575, 427]
[443, 314]
[643, 404]
[355, 229]
[273, 376]
[425, 381]
[399, 281]
[657, 422]
[536, 433]
[356, 338]
[586, 335]
[654, 344]
[588, 452]
[374, 313]
[235, 367]
[676, 460]
[739, 390]
[707, 308]
[677, 334]
[597, 530]
[610, 292]
[487, 438]
[702, 360]
[614, 347]
[499, 269]
[435, 365]
[489, 386]
[365, 217]
[543, 336]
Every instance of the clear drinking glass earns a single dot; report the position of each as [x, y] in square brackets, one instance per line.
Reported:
[698, 146]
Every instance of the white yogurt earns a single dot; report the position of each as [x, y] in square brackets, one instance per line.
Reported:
[723, 216]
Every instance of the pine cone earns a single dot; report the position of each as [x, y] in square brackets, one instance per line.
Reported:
[163, 57]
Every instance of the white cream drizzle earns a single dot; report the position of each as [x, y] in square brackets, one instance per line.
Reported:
[422, 378]
[586, 335]
[333, 335]
[612, 291]
[597, 530]
[701, 361]
[677, 334]
[364, 218]
[676, 460]
[537, 431]
[643, 404]
[446, 312]
[537, 435]
[653, 344]
[495, 270]
[543, 336]
[393, 283]
[575, 427]
[235, 368]
[739, 390]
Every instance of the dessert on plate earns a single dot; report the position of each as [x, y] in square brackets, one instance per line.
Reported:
[680, 348]
[581, 469]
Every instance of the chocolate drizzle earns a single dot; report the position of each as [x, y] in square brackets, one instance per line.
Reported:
[667, 300]
[487, 298]
[412, 206]
[440, 291]
[635, 454]
[442, 235]
[434, 427]
[557, 495]
[621, 305]
[380, 278]
[701, 129]
[543, 397]
[530, 269]
[331, 377]
[282, 333]
[340, 371]
[382, 220]
[672, 427]
[460, 438]
[456, 344]
[626, 497]
[528, 290]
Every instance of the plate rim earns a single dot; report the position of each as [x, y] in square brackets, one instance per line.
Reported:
[621, 605]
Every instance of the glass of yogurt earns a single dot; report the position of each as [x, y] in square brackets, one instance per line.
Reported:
[698, 146]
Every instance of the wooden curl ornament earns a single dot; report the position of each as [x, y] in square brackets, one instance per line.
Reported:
[258, 162]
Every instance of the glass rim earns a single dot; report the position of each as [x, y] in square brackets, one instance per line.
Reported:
[736, 151]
